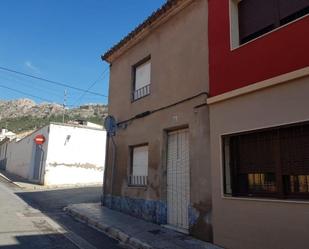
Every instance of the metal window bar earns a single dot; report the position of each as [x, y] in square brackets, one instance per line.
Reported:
[141, 92]
[137, 180]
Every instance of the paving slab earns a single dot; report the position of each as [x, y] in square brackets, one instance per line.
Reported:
[132, 231]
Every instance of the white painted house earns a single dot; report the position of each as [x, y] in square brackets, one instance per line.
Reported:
[71, 154]
[4, 133]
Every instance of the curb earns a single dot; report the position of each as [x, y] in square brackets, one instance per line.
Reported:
[56, 187]
[10, 181]
[108, 230]
[28, 185]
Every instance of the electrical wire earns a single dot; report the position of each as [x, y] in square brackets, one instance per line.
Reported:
[147, 113]
[92, 85]
[24, 93]
[51, 81]
[32, 95]
[28, 84]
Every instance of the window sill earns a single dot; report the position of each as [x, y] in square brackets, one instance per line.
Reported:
[137, 186]
[235, 47]
[263, 199]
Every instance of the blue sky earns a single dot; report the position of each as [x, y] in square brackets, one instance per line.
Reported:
[62, 40]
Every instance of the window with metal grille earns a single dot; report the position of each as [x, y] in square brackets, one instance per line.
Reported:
[141, 76]
[268, 163]
[257, 17]
[139, 166]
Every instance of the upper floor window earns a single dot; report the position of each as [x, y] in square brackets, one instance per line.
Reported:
[269, 163]
[139, 166]
[141, 74]
[257, 17]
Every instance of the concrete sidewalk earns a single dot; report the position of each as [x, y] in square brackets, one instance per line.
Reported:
[131, 231]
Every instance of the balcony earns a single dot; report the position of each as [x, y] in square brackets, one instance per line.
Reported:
[134, 180]
[141, 92]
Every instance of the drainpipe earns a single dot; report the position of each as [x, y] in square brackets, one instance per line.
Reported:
[113, 165]
[110, 125]
[109, 137]
[103, 201]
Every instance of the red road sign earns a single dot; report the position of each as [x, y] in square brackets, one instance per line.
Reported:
[39, 139]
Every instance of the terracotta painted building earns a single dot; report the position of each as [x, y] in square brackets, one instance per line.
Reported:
[259, 123]
[159, 168]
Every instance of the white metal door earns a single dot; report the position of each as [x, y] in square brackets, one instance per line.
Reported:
[178, 179]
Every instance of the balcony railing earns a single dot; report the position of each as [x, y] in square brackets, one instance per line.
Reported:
[141, 92]
[137, 180]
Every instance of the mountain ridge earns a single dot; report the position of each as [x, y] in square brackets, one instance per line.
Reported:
[22, 115]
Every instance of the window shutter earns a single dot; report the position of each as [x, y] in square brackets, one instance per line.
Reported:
[140, 161]
[290, 7]
[142, 75]
[256, 153]
[294, 148]
[255, 16]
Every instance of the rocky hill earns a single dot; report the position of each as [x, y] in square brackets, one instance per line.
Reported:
[24, 114]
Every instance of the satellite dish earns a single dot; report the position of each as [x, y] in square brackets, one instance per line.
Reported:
[110, 125]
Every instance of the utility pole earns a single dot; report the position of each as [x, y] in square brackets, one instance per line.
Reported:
[64, 104]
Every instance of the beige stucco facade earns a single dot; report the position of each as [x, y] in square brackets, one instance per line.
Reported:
[258, 223]
[178, 92]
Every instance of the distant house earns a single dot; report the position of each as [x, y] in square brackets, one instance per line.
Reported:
[7, 134]
[71, 154]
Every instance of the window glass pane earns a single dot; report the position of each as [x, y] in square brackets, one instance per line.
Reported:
[253, 160]
[265, 182]
[269, 163]
[227, 165]
[294, 150]
[291, 10]
[142, 75]
[256, 152]
[255, 18]
[297, 183]
[140, 161]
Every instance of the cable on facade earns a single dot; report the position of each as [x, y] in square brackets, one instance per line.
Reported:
[147, 113]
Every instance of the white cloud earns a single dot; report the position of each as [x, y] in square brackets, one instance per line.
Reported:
[29, 65]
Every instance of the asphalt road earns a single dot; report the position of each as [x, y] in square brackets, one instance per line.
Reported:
[35, 220]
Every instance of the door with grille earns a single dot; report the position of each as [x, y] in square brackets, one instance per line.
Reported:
[178, 179]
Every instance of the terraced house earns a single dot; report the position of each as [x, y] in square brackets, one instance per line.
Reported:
[259, 122]
[159, 169]
[245, 101]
